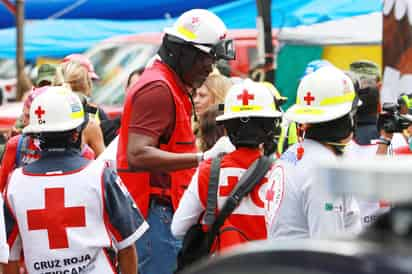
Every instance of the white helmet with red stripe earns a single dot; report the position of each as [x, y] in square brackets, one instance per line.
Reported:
[56, 109]
[249, 99]
[324, 95]
[205, 31]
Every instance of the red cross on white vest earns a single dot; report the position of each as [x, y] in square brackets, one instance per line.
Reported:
[308, 98]
[39, 112]
[245, 97]
[55, 218]
[270, 194]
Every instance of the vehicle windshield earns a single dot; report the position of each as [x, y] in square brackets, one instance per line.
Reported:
[7, 69]
[110, 90]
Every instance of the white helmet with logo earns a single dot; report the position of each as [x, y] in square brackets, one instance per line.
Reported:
[205, 31]
[249, 99]
[57, 109]
[324, 95]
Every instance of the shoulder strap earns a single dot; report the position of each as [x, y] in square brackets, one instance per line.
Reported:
[19, 150]
[212, 190]
[246, 183]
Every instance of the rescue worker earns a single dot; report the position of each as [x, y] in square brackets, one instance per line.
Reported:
[23, 149]
[77, 207]
[296, 207]
[367, 142]
[156, 153]
[250, 119]
[367, 83]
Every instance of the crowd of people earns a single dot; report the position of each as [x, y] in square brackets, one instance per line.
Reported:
[87, 194]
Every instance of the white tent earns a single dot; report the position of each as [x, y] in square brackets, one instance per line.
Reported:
[363, 29]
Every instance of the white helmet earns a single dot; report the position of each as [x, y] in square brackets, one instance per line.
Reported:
[57, 109]
[249, 99]
[324, 95]
[204, 30]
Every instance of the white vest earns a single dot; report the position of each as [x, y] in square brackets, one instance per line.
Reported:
[52, 242]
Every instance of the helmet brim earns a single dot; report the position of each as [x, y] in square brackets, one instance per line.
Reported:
[312, 115]
[229, 116]
[33, 129]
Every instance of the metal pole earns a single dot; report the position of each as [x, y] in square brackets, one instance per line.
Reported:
[264, 12]
[21, 78]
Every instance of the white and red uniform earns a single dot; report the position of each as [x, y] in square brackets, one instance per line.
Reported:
[248, 217]
[296, 207]
[64, 218]
[370, 210]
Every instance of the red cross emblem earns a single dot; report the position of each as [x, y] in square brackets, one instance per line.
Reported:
[269, 195]
[308, 98]
[231, 182]
[245, 97]
[39, 112]
[195, 20]
[55, 218]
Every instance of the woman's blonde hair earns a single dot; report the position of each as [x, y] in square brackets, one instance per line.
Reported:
[76, 76]
[218, 85]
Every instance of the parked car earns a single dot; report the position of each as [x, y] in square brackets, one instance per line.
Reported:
[8, 79]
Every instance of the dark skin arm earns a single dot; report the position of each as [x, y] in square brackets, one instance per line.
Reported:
[128, 260]
[11, 268]
[143, 155]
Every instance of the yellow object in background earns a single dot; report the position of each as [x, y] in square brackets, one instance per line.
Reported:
[342, 56]
[44, 60]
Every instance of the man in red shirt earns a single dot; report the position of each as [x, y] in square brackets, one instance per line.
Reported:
[156, 154]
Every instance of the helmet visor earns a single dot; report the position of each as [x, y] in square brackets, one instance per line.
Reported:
[224, 49]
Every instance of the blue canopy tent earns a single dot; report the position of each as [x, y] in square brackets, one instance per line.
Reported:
[102, 9]
[56, 38]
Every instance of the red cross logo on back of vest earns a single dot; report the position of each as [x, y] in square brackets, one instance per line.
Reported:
[245, 97]
[308, 98]
[270, 194]
[254, 195]
[39, 112]
[55, 218]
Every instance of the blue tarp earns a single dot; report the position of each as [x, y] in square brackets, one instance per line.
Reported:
[56, 38]
[292, 13]
[103, 9]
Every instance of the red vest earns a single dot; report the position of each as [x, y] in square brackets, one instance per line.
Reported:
[182, 139]
[402, 150]
[247, 222]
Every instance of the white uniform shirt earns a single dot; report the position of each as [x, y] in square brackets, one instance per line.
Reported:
[63, 221]
[296, 207]
[370, 210]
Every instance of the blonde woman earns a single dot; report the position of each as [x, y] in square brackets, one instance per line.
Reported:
[212, 92]
[77, 76]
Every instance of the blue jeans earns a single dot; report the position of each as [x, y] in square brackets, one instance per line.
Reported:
[157, 249]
